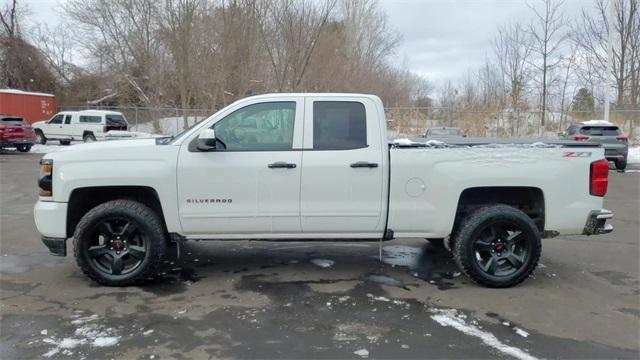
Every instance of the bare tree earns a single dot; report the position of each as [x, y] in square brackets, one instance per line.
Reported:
[547, 37]
[290, 31]
[512, 48]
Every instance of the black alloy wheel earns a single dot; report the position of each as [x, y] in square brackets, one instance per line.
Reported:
[501, 249]
[118, 248]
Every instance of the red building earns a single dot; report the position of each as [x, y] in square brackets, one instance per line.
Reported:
[31, 106]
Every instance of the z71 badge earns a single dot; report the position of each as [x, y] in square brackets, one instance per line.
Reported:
[577, 154]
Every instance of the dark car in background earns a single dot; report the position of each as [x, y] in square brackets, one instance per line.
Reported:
[15, 132]
[615, 143]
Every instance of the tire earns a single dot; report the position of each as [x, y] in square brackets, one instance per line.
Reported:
[23, 147]
[89, 137]
[621, 165]
[497, 246]
[40, 138]
[65, 142]
[119, 243]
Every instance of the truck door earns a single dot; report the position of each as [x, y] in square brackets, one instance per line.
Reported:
[253, 185]
[342, 168]
[54, 127]
[66, 129]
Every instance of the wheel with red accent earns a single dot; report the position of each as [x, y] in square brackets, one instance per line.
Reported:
[119, 243]
[497, 246]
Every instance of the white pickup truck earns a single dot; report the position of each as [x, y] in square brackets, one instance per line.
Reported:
[316, 166]
[85, 125]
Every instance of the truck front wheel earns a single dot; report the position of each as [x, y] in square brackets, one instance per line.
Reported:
[119, 243]
[497, 246]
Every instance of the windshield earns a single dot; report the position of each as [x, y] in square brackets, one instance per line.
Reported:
[600, 130]
[116, 120]
[444, 131]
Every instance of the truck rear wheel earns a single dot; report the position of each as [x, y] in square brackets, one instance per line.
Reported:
[497, 246]
[119, 243]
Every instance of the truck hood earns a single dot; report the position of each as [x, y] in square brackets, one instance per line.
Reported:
[138, 149]
[39, 123]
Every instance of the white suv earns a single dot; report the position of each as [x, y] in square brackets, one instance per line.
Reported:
[86, 125]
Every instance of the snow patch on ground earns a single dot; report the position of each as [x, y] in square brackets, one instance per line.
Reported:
[88, 333]
[634, 155]
[45, 149]
[363, 353]
[323, 263]
[450, 317]
[520, 332]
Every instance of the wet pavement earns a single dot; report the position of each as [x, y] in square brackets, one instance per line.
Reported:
[247, 299]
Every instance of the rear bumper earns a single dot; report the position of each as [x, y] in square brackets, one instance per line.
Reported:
[597, 222]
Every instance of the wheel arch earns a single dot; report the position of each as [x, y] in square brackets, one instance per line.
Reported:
[528, 199]
[84, 199]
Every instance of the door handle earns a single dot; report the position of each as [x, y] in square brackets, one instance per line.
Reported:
[281, 165]
[364, 164]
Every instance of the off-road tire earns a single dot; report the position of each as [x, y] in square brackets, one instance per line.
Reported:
[471, 226]
[148, 221]
[43, 139]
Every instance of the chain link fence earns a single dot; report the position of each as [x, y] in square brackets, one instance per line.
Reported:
[404, 121]
[413, 122]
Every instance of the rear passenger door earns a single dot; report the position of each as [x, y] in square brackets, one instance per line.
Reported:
[342, 168]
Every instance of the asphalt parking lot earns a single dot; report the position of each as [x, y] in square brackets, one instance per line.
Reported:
[286, 300]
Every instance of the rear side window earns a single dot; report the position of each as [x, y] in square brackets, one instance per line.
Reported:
[115, 120]
[600, 130]
[13, 120]
[90, 119]
[339, 125]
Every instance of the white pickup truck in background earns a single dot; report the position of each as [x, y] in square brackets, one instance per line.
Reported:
[316, 166]
[85, 125]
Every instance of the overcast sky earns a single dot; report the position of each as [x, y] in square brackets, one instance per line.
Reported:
[441, 39]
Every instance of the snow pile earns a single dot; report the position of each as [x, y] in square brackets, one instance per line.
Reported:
[634, 155]
[45, 149]
[450, 317]
[323, 263]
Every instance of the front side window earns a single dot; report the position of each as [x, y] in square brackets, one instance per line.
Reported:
[56, 119]
[258, 127]
[339, 125]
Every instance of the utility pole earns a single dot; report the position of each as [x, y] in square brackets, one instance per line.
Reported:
[607, 78]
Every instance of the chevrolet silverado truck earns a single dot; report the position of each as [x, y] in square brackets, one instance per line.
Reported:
[316, 167]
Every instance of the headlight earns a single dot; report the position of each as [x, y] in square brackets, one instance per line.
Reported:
[46, 178]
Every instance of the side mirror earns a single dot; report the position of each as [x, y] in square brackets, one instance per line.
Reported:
[207, 140]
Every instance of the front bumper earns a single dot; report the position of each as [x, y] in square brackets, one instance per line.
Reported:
[51, 218]
[597, 222]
